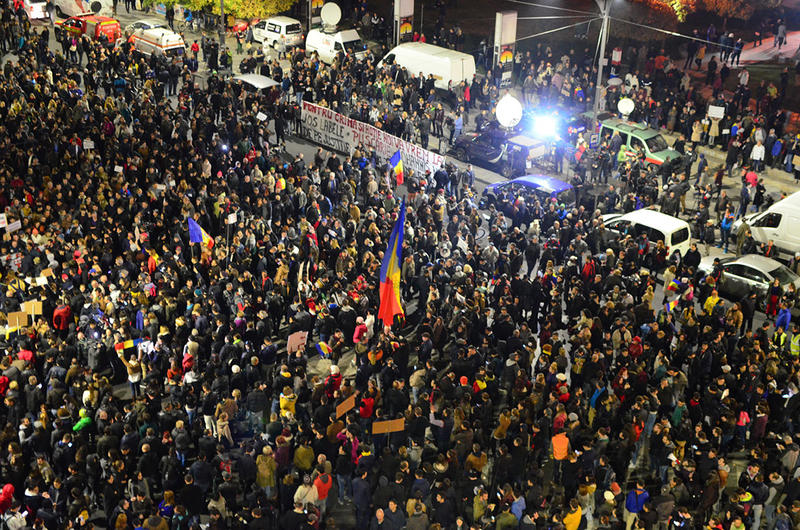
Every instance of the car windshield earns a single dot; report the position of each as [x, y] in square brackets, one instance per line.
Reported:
[293, 28]
[784, 275]
[355, 45]
[566, 197]
[656, 143]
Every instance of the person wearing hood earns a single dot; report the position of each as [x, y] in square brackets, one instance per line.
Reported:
[6, 497]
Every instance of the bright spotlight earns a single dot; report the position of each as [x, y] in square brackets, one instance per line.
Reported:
[544, 126]
[508, 111]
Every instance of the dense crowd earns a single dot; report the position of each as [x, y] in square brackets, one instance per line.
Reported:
[540, 384]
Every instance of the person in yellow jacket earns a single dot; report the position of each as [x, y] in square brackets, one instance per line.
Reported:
[573, 519]
[711, 301]
[266, 465]
[288, 401]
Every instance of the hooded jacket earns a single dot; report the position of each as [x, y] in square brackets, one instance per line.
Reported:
[6, 497]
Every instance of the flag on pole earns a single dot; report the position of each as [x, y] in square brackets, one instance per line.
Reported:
[198, 235]
[397, 165]
[390, 271]
[669, 306]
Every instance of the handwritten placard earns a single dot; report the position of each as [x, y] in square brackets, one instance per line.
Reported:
[261, 116]
[13, 227]
[3, 220]
[47, 272]
[715, 111]
[296, 341]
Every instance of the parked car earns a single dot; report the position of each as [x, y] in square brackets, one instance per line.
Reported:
[674, 232]
[637, 137]
[777, 223]
[751, 272]
[144, 23]
[530, 188]
[280, 33]
[493, 149]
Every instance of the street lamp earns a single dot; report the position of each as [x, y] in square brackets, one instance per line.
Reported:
[605, 8]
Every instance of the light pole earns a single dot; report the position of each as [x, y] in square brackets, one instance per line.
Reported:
[222, 25]
[605, 7]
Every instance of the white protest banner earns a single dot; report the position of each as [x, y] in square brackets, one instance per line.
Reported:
[88, 144]
[261, 116]
[13, 227]
[3, 220]
[231, 219]
[340, 133]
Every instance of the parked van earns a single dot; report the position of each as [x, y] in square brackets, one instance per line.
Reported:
[448, 67]
[328, 45]
[674, 232]
[159, 41]
[635, 137]
[73, 8]
[280, 33]
[35, 9]
[779, 223]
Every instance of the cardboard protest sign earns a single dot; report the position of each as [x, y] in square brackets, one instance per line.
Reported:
[345, 406]
[380, 427]
[18, 319]
[32, 307]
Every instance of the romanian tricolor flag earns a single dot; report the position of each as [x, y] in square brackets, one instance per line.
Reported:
[127, 345]
[669, 306]
[323, 349]
[390, 271]
[674, 286]
[198, 235]
[397, 165]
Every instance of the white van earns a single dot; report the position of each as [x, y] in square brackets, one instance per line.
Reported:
[280, 33]
[449, 67]
[73, 8]
[674, 232]
[328, 45]
[159, 41]
[779, 223]
[35, 9]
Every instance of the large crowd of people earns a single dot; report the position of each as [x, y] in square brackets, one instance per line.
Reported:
[541, 383]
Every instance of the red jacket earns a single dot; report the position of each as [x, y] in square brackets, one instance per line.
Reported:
[61, 317]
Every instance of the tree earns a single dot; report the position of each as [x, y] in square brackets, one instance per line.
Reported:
[742, 9]
[248, 9]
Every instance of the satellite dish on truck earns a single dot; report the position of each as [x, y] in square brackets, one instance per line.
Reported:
[330, 14]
